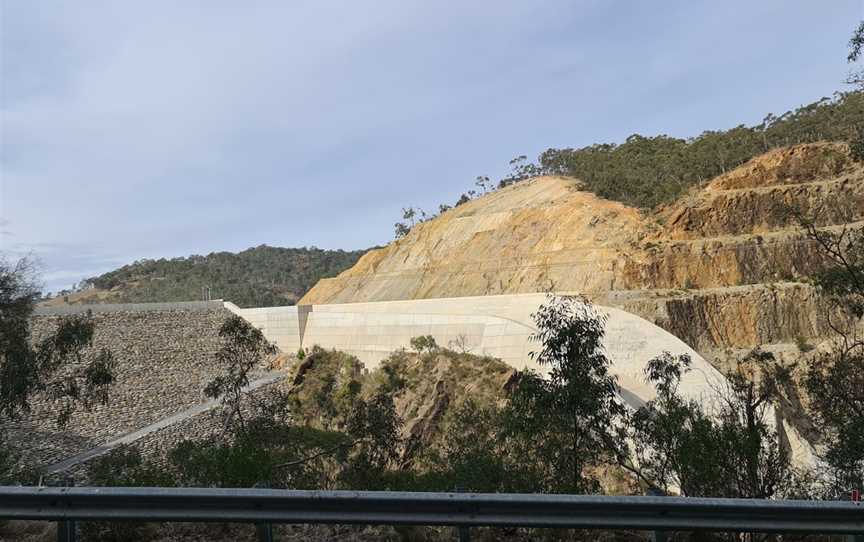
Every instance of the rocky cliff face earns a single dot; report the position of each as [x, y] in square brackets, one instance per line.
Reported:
[723, 267]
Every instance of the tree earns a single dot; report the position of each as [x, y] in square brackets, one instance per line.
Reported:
[856, 146]
[411, 217]
[760, 462]
[470, 455]
[728, 449]
[520, 169]
[244, 348]
[856, 44]
[261, 276]
[424, 343]
[483, 183]
[564, 423]
[322, 434]
[400, 230]
[672, 438]
[60, 365]
[835, 380]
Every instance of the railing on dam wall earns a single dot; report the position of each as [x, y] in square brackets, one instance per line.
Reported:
[462, 510]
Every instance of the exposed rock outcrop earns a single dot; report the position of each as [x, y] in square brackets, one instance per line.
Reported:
[723, 267]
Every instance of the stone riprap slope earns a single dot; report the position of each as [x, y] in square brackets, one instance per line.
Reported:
[164, 360]
[723, 267]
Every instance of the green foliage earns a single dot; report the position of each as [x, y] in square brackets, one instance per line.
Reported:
[124, 466]
[842, 278]
[240, 463]
[724, 450]
[374, 428]
[326, 386]
[563, 424]
[275, 452]
[803, 345]
[256, 277]
[856, 44]
[470, 455]
[648, 170]
[322, 434]
[301, 354]
[424, 343]
[856, 146]
[834, 383]
[834, 380]
[62, 365]
[244, 348]
[411, 217]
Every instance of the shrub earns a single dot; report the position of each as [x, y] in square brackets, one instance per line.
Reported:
[424, 343]
[856, 147]
[803, 345]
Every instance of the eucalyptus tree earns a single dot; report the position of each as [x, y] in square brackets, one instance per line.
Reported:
[835, 377]
[725, 449]
[562, 425]
[62, 367]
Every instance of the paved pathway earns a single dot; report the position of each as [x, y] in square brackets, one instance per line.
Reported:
[129, 438]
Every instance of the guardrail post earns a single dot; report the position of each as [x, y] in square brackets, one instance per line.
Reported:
[66, 528]
[263, 529]
[463, 531]
[657, 536]
[66, 531]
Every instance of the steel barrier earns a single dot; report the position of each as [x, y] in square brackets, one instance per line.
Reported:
[268, 506]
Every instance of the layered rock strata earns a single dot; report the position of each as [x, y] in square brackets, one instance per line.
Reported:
[723, 267]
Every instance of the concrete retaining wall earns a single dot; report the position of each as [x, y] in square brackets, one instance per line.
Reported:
[281, 325]
[497, 326]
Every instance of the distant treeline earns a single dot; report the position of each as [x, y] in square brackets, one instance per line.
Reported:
[646, 171]
[256, 277]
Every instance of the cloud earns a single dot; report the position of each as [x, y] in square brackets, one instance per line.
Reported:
[164, 128]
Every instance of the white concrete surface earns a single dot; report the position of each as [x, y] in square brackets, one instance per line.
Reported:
[497, 326]
[281, 325]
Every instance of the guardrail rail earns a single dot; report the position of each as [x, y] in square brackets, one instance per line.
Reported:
[265, 507]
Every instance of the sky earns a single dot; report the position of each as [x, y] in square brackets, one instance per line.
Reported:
[133, 130]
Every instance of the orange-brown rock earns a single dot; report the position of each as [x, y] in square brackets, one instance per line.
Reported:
[723, 266]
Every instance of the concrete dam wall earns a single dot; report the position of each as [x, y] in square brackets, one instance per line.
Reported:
[497, 326]
[165, 356]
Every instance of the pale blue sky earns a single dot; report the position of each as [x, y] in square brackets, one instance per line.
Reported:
[164, 128]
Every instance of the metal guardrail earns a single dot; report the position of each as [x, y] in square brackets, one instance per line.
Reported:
[267, 506]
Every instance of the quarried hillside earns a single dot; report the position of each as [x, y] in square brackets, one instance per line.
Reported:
[724, 266]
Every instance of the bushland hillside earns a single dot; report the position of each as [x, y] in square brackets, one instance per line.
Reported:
[256, 277]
